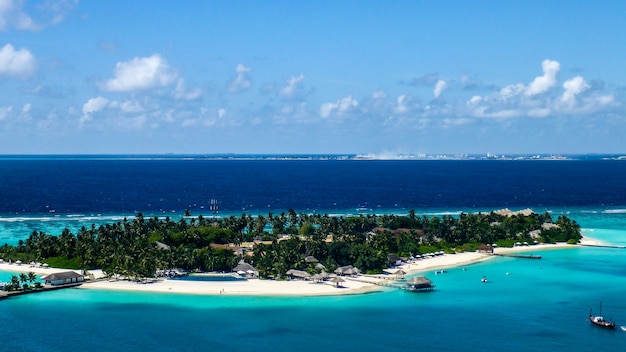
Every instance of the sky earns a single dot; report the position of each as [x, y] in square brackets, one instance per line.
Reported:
[312, 77]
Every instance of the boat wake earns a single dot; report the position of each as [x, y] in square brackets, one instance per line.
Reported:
[623, 328]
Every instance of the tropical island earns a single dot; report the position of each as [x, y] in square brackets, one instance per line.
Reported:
[277, 246]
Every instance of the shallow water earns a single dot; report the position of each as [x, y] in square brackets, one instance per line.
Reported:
[526, 305]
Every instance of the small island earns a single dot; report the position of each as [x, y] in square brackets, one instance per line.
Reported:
[285, 246]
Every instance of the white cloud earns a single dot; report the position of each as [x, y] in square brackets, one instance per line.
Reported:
[141, 73]
[539, 100]
[487, 112]
[540, 112]
[26, 108]
[341, 107]
[16, 62]
[5, 111]
[476, 99]
[517, 100]
[542, 83]
[241, 82]
[401, 105]
[289, 91]
[51, 12]
[440, 86]
[183, 94]
[511, 91]
[12, 15]
[94, 105]
[57, 10]
[379, 95]
[572, 88]
[127, 106]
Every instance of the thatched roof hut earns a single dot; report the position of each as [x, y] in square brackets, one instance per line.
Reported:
[419, 283]
[310, 259]
[320, 277]
[320, 266]
[243, 266]
[347, 270]
[293, 273]
[399, 274]
[337, 281]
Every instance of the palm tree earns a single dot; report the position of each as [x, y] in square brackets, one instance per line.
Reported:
[32, 277]
[23, 280]
[15, 283]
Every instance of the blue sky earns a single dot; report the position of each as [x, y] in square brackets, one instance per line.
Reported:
[364, 77]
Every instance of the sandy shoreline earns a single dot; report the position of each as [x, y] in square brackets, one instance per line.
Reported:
[257, 287]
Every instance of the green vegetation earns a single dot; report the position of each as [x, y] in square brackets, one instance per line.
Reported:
[23, 281]
[137, 248]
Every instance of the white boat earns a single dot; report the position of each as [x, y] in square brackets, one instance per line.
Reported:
[598, 320]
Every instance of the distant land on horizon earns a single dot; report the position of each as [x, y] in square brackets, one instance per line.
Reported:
[287, 156]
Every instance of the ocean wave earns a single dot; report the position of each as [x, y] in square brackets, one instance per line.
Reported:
[614, 211]
[442, 213]
[66, 218]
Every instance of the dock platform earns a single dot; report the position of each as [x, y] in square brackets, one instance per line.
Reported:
[524, 256]
[9, 294]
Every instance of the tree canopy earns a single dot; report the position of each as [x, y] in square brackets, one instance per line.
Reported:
[137, 248]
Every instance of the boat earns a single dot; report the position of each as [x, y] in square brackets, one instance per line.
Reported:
[484, 279]
[599, 320]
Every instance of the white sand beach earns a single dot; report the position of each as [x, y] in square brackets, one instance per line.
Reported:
[258, 287]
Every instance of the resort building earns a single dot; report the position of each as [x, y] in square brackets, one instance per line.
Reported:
[63, 278]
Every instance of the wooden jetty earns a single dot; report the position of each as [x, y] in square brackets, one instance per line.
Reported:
[418, 283]
[8, 294]
[603, 246]
[512, 255]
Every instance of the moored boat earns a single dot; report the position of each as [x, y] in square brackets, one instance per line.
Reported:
[599, 320]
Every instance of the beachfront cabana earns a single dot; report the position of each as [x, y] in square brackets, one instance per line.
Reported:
[63, 278]
[419, 283]
[399, 274]
[320, 277]
[346, 270]
[244, 268]
[485, 248]
[298, 274]
[337, 281]
[320, 266]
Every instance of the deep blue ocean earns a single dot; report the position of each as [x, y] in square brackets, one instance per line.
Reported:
[540, 305]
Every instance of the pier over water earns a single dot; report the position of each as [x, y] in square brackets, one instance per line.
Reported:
[8, 294]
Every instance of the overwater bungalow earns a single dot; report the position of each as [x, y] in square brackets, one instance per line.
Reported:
[419, 283]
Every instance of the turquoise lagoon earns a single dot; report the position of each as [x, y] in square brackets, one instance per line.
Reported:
[527, 305]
